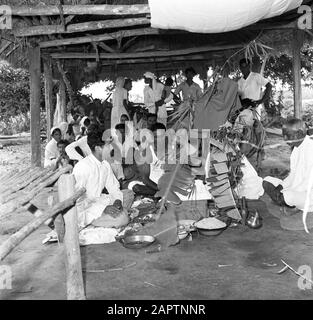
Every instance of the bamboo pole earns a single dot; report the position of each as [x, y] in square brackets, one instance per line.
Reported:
[62, 92]
[74, 275]
[80, 27]
[14, 204]
[34, 69]
[110, 10]
[296, 47]
[7, 246]
[48, 95]
[136, 55]
[101, 37]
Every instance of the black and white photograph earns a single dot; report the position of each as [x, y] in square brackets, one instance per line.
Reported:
[156, 155]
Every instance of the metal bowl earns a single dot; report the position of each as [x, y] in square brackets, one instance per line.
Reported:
[137, 241]
[211, 232]
[214, 232]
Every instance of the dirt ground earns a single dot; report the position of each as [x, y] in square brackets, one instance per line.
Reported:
[241, 263]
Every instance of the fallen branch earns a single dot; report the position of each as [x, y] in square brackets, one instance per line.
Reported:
[15, 239]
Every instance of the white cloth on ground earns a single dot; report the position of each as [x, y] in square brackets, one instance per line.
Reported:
[250, 185]
[295, 185]
[97, 235]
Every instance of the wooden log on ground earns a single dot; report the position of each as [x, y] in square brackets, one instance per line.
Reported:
[35, 73]
[74, 276]
[27, 186]
[7, 246]
[34, 184]
[8, 194]
[101, 37]
[104, 9]
[16, 179]
[80, 27]
[7, 175]
[14, 204]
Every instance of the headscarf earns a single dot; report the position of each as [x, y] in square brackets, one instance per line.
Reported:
[63, 126]
[54, 128]
[81, 123]
[149, 75]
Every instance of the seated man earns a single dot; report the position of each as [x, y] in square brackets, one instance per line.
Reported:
[94, 174]
[143, 174]
[291, 192]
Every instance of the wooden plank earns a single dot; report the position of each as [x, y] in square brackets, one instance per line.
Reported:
[297, 93]
[5, 47]
[74, 275]
[151, 54]
[34, 69]
[7, 246]
[48, 95]
[80, 27]
[109, 10]
[101, 37]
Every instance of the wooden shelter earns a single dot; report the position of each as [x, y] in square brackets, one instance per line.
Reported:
[102, 39]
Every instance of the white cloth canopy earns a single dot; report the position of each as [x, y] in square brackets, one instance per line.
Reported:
[210, 16]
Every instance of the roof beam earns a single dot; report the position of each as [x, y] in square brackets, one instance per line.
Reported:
[104, 9]
[80, 27]
[152, 54]
[98, 38]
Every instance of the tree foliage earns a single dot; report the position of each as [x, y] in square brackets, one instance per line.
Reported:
[14, 91]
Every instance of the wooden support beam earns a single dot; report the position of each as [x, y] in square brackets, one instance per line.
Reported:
[148, 54]
[297, 92]
[62, 93]
[48, 95]
[98, 38]
[34, 70]
[74, 275]
[80, 27]
[109, 10]
[196, 57]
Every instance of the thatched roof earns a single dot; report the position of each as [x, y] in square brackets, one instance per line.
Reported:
[103, 46]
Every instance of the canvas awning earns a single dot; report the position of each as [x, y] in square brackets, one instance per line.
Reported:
[210, 16]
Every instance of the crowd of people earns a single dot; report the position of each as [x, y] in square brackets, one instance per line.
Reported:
[100, 163]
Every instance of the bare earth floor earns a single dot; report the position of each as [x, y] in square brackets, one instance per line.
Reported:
[241, 263]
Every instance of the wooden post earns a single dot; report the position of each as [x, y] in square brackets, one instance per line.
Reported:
[48, 96]
[34, 70]
[62, 93]
[74, 276]
[296, 47]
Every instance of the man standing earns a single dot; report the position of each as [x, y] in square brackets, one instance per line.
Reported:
[189, 89]
[95, 174]
[250, 86]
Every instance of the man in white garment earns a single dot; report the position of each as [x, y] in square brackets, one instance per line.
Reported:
[94, 174]
[291, 192]
[250, 91]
